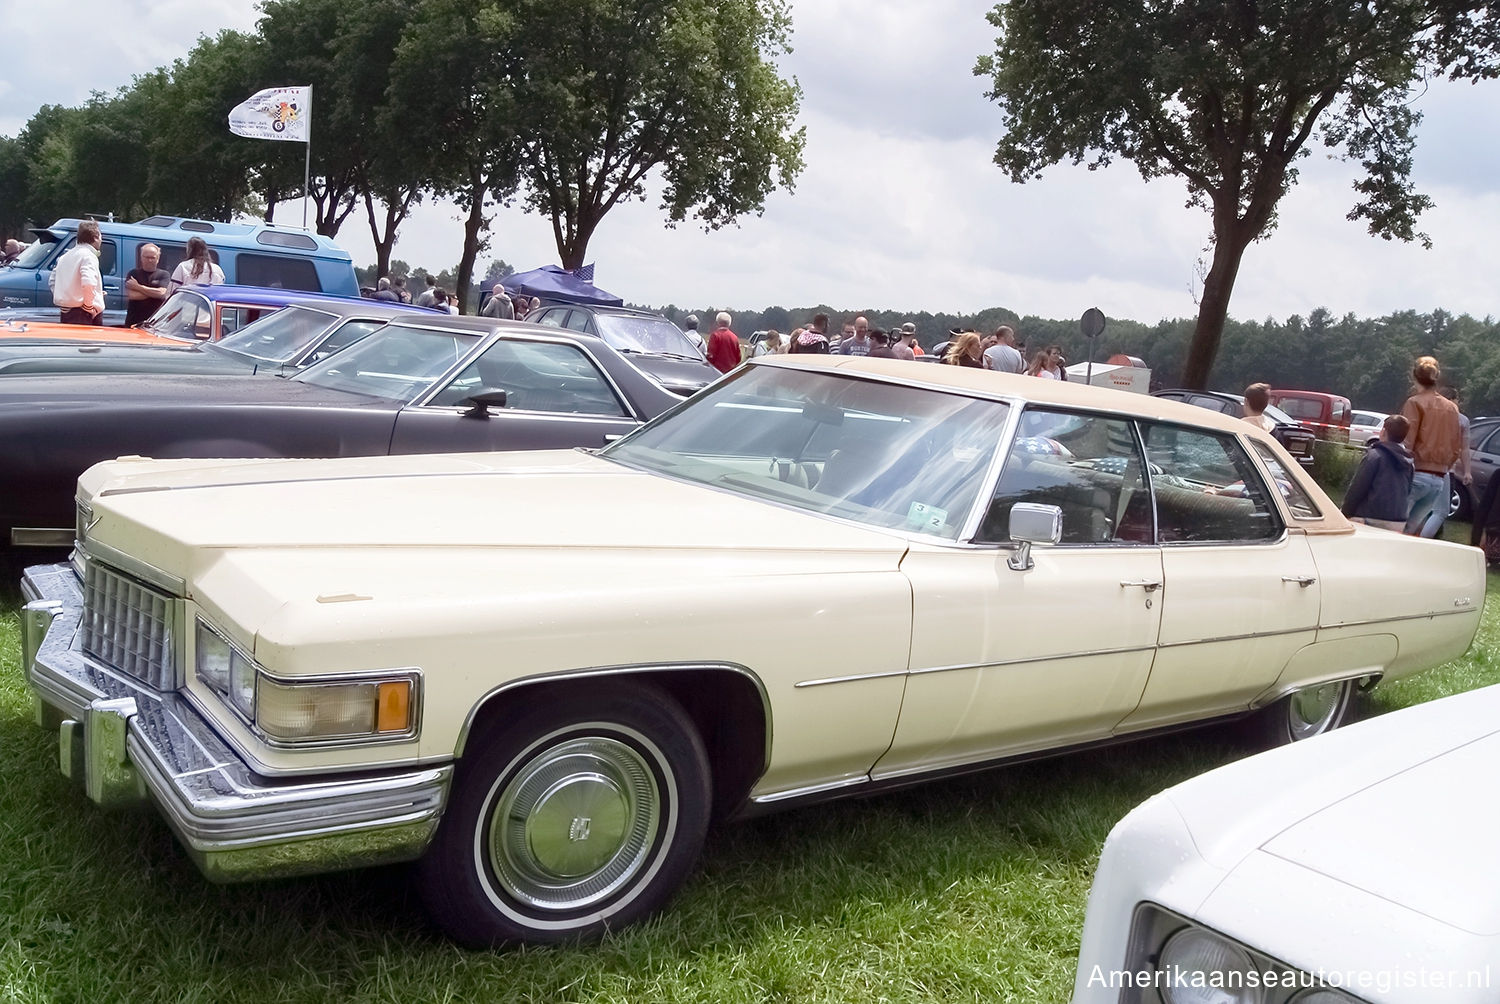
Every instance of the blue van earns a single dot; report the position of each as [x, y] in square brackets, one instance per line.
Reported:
[251, 254]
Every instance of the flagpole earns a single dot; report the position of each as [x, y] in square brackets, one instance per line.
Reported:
[307, 162]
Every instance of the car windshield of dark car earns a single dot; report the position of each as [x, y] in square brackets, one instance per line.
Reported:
[888, 455]
[185, 315]
[397, 362]
[279, 337]
[652, 335]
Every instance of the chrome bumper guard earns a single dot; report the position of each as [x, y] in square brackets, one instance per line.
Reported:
[126, 744]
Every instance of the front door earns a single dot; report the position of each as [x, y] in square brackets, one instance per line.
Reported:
[556, 397]
[1005, 661]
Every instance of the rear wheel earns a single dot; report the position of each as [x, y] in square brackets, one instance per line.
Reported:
[566, 822]
[1305, 713]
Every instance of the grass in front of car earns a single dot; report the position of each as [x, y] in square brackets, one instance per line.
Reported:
[971, 889]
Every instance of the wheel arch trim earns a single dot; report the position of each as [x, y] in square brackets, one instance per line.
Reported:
[619, 672]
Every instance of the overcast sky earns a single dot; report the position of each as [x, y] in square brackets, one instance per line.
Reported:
[900, 204]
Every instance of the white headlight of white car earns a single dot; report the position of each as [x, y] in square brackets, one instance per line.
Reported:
[378, 706]
[1180, 962]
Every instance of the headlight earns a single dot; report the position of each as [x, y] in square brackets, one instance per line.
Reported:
[1199, 967]
[373, 706]
[324, 710]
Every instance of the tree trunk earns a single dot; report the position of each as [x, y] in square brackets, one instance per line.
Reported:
[573, 252]
[1213, 309]
[473, 227]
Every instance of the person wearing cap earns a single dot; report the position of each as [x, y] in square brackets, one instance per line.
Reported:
[690, 328]
[880, 345]
[905, 347]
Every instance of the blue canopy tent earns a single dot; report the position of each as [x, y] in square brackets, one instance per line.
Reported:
[553, 283]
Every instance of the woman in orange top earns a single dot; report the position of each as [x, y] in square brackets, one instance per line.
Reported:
[1435, 441]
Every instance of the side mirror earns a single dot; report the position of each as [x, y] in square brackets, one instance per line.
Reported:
[1032, 523]
[483, 402]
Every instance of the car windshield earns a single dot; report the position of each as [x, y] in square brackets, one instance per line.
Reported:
[35, 254]
[185, 315]
[279, 337]
[653, 335]
[398, 363]
[888, 455]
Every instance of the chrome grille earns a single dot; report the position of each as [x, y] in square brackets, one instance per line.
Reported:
[128, 627]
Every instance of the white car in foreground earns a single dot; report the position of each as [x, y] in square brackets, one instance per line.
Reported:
[1359, 866]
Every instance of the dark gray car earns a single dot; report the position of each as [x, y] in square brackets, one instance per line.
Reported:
[420, 384]
[653, 344]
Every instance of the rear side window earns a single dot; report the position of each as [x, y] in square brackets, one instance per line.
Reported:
[109, 254]
[277, 272]
[1207, 490]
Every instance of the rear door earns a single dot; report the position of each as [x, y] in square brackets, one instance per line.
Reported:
[1240, 593]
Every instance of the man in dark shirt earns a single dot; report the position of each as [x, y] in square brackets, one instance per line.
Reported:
[145, 287]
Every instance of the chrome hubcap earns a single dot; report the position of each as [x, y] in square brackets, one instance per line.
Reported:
[574, 824]
[1311, 711]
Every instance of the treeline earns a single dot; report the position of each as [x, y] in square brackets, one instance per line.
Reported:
[1367, 360]
[483, 102]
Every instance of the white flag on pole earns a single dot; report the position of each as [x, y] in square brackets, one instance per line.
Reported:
[281, 113]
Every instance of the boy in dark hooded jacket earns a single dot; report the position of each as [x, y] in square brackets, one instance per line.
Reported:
[1378, 493]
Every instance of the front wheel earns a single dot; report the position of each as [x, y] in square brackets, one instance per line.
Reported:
[566, 822]
[1305, 713]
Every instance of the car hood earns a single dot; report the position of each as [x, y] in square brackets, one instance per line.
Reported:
[553, 500]
[680, 376]
[1395, 807]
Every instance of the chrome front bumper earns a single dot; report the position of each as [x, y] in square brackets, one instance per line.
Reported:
[126, 743]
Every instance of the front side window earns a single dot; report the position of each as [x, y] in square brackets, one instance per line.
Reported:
[536, 376]
[398, 363]
[1206, 488]
[887, 455]
[1089, 466]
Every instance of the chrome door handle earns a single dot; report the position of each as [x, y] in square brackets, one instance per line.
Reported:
[1302, 580]
[1149, 585]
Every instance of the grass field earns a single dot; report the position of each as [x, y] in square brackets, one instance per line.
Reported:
[968, 890]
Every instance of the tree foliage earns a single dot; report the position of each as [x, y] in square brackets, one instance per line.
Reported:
[1228, 98]
[610, 91]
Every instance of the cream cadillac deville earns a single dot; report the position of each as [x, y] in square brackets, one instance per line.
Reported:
[541, 675]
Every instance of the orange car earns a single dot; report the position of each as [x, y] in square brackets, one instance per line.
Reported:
[192, 314]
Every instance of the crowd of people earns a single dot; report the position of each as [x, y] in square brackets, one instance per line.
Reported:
[1000, 350]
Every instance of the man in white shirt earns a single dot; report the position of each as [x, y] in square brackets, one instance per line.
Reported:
[1003, 355]
[77, 289]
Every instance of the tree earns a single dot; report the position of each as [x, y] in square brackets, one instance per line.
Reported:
[459, 56]
[629, 86]
[1228, 98]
